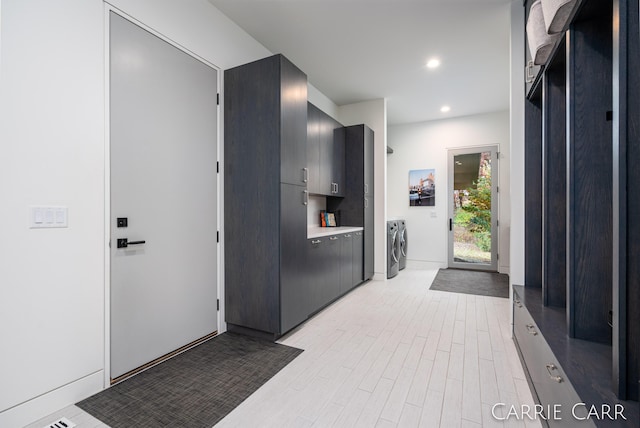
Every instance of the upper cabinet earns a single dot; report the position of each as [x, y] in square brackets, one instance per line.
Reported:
[269, 102]
[325, 153]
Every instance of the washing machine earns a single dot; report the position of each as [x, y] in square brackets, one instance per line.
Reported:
[404, 243]
[393, 249]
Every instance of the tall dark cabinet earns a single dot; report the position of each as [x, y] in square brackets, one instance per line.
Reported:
[357, 206]
[574, 325]
[265, 175]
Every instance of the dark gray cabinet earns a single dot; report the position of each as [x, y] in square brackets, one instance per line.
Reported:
[295, 302]
[346, 262]
[333, 267]
[313, 149]
[323, 270]
[265, 196]
[357, 206]
[325, 153]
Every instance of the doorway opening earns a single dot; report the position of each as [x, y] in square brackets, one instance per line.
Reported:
[473, 222]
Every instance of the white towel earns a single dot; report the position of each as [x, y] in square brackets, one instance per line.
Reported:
[556, 14]
[540, 42]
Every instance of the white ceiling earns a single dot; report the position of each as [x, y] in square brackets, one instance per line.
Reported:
[358, 50]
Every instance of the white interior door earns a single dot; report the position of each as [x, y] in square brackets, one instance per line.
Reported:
[163, 150]
[473, 208]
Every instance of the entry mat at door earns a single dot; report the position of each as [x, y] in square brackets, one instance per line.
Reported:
[472, 282]
[194, 389]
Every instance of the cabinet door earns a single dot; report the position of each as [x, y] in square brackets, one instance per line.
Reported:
[368, 237]
[315, 259]
[358, 259]
[313, 148]
[295, 302]
[368, 161]
[346, 262]
[326, 154]
[331, 274]
[337, 160]
[293, 124]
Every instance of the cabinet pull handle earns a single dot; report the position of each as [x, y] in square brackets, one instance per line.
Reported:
[517, 302]
[333, 238]
[316, 241]
[337, 188]
[531, 329]
[347, 235]
[358, 233]
[529, 72]
[553, 367]
[305, 200]
[366, 188]
[366, 203]
[305, 175]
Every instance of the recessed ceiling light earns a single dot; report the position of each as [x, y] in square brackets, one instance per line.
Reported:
[445, 109]
[433, 63]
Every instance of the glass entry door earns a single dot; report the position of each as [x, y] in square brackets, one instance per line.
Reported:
[473, 208]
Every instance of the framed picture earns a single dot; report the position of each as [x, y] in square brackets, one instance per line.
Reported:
[422, 188]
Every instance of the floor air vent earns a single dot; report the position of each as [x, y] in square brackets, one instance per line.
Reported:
[61, 423]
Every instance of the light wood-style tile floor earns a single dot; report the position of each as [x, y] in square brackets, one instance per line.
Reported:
[389, 354]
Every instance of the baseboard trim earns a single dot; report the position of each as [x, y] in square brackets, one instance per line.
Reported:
[424, 265]
[52, 401]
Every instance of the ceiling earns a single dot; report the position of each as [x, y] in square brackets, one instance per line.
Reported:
[358, 50]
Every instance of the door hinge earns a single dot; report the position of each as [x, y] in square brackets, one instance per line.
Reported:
[498, 155]
[497, 256]
[497, 223]
[497, 189]
[218, 304]
[218, 236]
[218, 167]
[218, 99]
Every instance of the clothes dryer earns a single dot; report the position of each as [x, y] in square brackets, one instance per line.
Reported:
[404, 244]
[393, 249]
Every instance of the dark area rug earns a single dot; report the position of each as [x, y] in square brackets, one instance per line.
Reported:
[472, 282]
[194, 389]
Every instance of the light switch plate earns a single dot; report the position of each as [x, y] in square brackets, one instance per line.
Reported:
[42, 217]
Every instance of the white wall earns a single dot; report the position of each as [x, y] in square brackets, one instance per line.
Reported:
[374, 114]
[517, 143]
[424, 146]
[52, 129]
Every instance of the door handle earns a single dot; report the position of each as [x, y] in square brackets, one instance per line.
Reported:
[531, 329]
[305, 175]
[450, 224]
[124, 242]
[305, 200]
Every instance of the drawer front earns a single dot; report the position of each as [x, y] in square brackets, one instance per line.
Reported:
[549, 379]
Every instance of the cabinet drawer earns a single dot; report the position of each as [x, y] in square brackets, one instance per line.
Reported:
[549, 379]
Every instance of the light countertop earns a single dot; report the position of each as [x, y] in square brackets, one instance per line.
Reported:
[318, 232]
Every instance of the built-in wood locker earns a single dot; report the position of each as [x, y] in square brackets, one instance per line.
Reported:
[265, 197]
[576, 321]
[626, 204]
